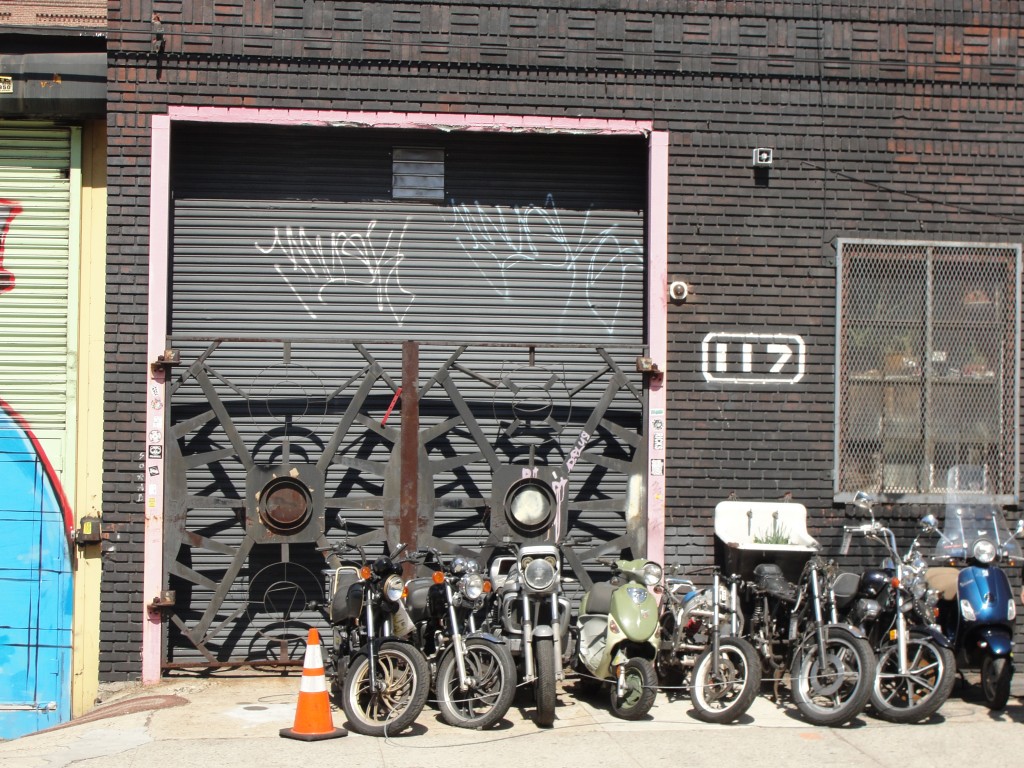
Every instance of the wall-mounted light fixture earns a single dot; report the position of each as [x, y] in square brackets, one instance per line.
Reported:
[763, 157]
[678, 290]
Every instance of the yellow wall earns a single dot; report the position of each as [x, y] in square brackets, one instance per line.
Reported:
[89, 450]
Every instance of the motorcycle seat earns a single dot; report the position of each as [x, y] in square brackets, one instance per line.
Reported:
[944, 580]
[599, 599]
[769, 578]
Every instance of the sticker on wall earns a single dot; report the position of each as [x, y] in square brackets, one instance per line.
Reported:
[753, 358]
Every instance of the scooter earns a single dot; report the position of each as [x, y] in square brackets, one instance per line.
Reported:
[976, 603]
[617, 637]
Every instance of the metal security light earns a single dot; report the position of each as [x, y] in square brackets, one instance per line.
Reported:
[530, 506]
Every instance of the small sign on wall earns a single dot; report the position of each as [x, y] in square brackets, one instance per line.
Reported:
[753, 358]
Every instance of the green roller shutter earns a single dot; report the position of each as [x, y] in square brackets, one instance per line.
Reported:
[39, 172]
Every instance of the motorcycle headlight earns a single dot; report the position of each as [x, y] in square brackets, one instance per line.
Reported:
[539, 574]
[984, 551]
[652, 574]
[472, 585]
[393, 588]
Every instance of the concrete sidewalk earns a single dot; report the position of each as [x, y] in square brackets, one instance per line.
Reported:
[234, 721]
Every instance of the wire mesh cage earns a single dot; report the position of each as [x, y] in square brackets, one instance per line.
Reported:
[928, 374]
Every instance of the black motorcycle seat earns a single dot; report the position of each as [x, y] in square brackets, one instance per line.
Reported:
[770, 579]
[598, 599]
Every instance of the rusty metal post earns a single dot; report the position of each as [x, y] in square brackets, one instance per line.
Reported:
[410, 431]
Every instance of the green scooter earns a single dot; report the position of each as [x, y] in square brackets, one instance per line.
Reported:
[617, 637]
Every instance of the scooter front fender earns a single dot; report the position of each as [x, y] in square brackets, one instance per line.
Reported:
[995, 641]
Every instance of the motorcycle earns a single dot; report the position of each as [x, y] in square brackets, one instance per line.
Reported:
[976, 607]
[699, 635]
[796, 630]
[382, 678]
[474, 673]
[533, 614]
[616, 637]
[895, 608]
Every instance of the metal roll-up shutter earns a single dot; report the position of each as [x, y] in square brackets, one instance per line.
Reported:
[36, 321]
[298, 269]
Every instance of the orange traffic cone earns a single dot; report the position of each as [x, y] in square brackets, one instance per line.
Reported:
[313, 715]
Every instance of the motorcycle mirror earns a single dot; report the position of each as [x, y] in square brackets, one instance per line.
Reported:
[929, 523]
[863, 501]
[1020, 528]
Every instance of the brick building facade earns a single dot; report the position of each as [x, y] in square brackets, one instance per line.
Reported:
[888, 122]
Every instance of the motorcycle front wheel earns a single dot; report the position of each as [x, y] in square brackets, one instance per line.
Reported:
[918, 694]
[640, 687]
[402, 681]
[833, 688]
[544, 686]
[722, 692]
[995, 681]
[491, 677]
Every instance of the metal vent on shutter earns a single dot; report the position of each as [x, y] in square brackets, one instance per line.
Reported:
[417, 174]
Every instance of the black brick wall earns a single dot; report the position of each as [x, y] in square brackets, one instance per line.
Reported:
[889, 119]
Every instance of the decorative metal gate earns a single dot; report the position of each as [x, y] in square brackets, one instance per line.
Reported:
[278, 447]
[303, 263]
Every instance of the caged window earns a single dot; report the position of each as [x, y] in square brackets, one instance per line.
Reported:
[928, 367]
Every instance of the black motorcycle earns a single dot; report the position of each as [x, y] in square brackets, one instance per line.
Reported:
[795, 631]
[474, 673]
[382, 678]
[916, 665]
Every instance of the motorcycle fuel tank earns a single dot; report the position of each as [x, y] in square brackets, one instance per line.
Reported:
[987, 592]
[635, 610]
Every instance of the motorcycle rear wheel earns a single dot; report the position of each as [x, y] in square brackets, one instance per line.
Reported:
[721, 693]
[641, 688]
[834, 690]
[492, 685]
[995, 681]
[915, 696]
[544, 686]
[403, 683]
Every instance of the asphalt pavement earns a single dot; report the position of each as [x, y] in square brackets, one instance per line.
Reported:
[229, 721]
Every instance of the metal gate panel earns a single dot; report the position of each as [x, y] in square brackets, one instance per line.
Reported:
[290, 297]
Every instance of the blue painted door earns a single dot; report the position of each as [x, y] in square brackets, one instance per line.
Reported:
[35, 586]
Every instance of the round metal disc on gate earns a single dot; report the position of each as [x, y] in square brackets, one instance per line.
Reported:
[285, 505]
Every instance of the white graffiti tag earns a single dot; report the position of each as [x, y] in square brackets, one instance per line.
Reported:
[311, 265]
[598, 261]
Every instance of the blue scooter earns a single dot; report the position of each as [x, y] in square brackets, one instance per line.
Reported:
[976, 604]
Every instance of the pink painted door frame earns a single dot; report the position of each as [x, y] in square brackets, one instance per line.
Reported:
[159, 218]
